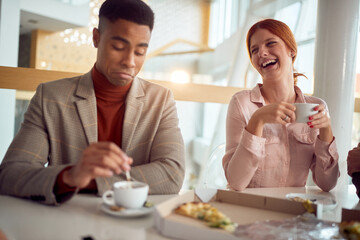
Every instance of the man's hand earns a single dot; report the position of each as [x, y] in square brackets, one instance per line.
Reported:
[354, 154]
[353, 160]
[101, 159]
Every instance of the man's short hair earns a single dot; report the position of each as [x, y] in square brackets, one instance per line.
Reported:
[131, 10]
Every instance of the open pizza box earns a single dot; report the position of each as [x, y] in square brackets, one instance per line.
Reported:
[350, 215]
[241, 208]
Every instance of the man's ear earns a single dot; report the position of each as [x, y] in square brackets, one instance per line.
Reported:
[96, 37]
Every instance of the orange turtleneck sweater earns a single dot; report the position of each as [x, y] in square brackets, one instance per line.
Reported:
[110, 104]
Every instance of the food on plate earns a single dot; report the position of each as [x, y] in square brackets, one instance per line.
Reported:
[148, 204]
[299, 199]
[350, 230]
[207, 213]
[307, 203]
[116, 208]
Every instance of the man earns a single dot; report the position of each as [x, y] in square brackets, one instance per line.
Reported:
[353, 161]
[89, 129]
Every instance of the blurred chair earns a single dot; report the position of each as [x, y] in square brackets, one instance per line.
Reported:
[212, 173]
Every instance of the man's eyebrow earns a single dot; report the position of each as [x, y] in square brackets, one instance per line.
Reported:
[118, 38]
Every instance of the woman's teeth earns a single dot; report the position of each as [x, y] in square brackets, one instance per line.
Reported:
[265, 64]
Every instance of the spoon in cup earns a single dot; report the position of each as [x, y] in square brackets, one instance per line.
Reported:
[128, 178]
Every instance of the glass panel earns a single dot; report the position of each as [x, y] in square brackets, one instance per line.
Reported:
[203, 131]
[213, 26]
[289, 15]
[305, 64]
[20, 109]
[221, 21]
[228, 18]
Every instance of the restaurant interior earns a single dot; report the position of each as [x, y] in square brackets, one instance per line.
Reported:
[197, 42]
[197, 49]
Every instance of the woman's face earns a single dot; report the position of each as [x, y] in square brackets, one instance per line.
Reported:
[270, 55]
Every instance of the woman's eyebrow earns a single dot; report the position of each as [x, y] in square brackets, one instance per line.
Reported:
[269, 39]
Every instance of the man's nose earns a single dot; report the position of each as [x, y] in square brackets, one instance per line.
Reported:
[129, 59]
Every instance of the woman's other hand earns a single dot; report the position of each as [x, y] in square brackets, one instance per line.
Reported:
[321, 121]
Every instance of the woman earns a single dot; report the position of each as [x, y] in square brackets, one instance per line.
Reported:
[264, 145]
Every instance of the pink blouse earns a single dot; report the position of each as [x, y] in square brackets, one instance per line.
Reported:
[283, 155]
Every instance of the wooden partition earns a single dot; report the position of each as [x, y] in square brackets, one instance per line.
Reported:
[357, 105]
[27, 79]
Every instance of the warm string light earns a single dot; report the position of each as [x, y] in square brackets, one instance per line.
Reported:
[83, 36]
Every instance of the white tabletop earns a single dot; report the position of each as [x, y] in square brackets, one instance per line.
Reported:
[82, 216]
[78, 218]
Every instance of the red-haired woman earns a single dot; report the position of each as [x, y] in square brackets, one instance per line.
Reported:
[264, 145]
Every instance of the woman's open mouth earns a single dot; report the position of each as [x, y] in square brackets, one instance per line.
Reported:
[269, 63]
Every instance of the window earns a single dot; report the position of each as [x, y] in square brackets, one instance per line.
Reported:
[224, 19]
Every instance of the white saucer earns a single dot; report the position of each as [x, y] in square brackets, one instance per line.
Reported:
[128, 213]
[327, 202]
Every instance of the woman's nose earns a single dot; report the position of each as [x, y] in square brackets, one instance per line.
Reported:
[263, 52]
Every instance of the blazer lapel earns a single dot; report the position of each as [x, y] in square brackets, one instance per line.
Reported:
[133, 111]
[86, 107]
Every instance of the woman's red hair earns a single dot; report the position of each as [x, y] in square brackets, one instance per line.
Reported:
[279, 29]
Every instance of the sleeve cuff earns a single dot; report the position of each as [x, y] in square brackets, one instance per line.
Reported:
[353, 165]
[252, 142]
[356, 182]
[61, 190]
[325, 150]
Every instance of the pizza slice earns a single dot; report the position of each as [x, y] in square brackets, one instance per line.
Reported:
[350, 230]
[205, 212]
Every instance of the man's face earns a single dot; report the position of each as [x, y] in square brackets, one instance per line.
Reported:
[122, 47]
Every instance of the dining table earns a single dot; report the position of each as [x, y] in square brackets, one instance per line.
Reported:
[83, 216]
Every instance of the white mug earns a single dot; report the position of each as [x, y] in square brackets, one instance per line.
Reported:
[304, 111]
[127, 194]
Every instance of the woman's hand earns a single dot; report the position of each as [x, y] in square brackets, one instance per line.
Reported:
[281, 113]
[321, 121]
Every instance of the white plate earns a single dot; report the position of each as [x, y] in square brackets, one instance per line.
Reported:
[327, 202]
[127, 212]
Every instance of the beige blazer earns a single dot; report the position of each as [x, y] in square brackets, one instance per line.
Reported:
[61, 121]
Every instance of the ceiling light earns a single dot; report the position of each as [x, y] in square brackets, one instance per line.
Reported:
[74, 2]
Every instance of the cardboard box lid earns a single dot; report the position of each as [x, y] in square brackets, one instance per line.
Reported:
[241, 208]
[350, 215]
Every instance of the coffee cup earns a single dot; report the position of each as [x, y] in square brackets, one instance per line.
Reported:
[127, 194]
[304, 111]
